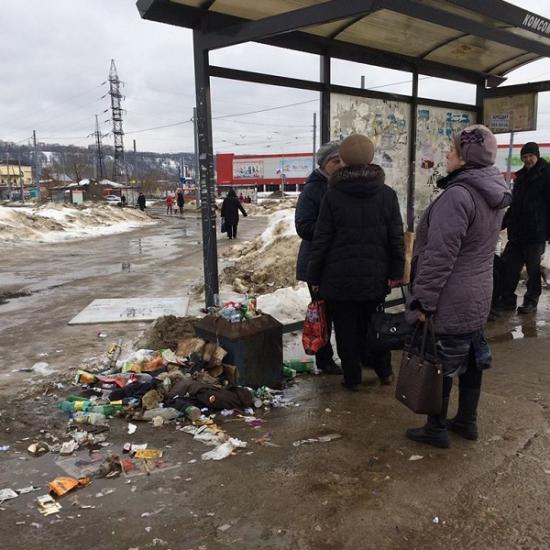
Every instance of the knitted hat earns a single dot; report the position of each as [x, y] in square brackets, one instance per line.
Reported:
[357, 149]
[476, 145]
[530, 148]
[327, 152]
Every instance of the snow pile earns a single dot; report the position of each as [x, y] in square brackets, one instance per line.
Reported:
[268, 206]
[57, 222]
[287, 305]
[267, 263]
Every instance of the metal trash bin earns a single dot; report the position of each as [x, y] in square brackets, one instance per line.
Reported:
[255, 347]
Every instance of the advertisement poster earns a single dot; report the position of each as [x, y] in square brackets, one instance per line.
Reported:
[248, 169]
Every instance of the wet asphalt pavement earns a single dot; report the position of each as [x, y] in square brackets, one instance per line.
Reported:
[360, 491]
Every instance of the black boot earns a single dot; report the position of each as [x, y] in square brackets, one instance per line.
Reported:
[434, 432]
[464, 423]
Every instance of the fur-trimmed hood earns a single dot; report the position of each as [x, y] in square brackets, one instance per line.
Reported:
[358, 181]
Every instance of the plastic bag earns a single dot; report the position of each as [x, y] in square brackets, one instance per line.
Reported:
[315, 334]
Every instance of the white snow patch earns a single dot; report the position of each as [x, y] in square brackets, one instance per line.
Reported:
[55, 222]
[287, 305]
[280, 224]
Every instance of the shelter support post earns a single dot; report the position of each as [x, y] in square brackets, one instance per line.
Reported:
[412, 153]
[206, 173]
[480, 95]
[325, 98]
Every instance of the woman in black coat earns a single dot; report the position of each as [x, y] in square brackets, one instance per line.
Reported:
[230, 213]
[357, 254]
[141, 201]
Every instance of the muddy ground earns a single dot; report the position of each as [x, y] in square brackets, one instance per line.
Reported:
[358, 492]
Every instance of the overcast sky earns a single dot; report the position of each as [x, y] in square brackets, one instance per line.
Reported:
[56, 56]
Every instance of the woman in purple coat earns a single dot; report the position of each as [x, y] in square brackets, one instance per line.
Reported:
[452, 271]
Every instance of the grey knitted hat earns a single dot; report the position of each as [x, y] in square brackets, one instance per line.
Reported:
[327, 152]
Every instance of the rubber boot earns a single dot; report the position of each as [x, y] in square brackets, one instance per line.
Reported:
[464, 423]
[434, 432]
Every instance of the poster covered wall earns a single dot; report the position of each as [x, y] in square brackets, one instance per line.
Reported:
[435, 126]
[386, 122]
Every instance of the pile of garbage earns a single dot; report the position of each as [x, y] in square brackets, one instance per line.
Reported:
[188, 387]
[159, 386]
[237, 312]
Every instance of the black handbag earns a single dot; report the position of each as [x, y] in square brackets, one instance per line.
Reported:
[388, 331]
[223, 227]
[420, 381]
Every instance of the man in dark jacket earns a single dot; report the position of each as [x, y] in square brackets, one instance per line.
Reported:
[230, 213]
[528, 224]
[357, 254]
[307, 212]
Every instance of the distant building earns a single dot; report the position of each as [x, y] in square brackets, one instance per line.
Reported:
[10, 174]
[264, 172]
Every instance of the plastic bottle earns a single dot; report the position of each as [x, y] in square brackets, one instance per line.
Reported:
[288, 372]
[167, 413]
[192, 412]
[108, 410]
[75, 406]
[252, 304]
[300, 365]
[96, 419]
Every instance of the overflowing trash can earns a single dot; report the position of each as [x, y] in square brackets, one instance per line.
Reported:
[254, 346]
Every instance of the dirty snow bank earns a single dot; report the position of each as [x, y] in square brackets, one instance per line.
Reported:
[267, 263]
[57, 222]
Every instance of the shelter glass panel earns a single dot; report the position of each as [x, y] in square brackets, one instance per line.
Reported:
[430, 87]
[265, 59]
[381, 79]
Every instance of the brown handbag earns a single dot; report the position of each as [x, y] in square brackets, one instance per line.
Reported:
[420, 381]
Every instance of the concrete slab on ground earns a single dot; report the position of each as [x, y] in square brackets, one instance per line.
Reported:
[122, 310]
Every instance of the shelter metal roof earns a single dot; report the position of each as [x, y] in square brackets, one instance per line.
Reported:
[474, 38]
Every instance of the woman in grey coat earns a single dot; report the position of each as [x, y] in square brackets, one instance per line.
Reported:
[453, 275]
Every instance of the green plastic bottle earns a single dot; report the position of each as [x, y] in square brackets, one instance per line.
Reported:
[300, 365]
[288, 372]
[108, 410]
[82, 405]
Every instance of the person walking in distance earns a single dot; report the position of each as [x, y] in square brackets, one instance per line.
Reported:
[452, 276]
[141, 202]
[305, 218]
[180, 201]
[169, 204]
[230, 213]
[528, 224]
[357, 255]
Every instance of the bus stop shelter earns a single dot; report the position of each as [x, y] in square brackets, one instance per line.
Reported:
[472, 41]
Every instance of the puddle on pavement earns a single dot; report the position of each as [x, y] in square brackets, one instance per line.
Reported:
[537, 329]
[158, 246]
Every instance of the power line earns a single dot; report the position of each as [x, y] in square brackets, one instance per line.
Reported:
[396, 83]
[160, 127]
[223, 116]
